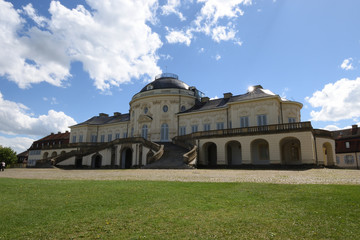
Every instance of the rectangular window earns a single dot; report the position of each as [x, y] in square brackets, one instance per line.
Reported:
[102, 138]
[292, 120]
[261, 120]
[125, 135]
[109, 137]
[230, 124]
[194, 128]
[117, 135]
[347, 144]
[207, 127]
[132, 132]
[219, 125]
[244, 121]
[74, 139]
[93, 138]
[182, 130]
[81, 138]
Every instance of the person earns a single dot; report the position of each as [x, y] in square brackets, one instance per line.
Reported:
[2, 166]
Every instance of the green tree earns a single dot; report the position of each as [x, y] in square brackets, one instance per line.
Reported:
[7, 155]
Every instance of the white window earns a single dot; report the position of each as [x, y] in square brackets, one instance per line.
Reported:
[109, 137]
[207, 127]
[292, 120]
[164, 134]
[182, 130]
[194, 128]
[93, 138]
[102, 138]
[80, 139]
[347, 144]
[349, 159]
[261, 120]
[220, 125]
[117, 135]
[74, 139]
[144, 131]
[244, 121]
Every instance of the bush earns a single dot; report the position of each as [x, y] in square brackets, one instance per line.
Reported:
[7, 155]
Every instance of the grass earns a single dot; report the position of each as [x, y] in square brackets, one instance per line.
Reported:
[51, 209]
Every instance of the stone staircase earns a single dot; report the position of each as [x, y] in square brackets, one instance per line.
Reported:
[171, 159]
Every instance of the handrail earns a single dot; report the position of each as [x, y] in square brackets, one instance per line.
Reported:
[267, 129]
[157, 155]
[191, 155]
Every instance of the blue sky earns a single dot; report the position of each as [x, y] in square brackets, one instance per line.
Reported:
[62, 62]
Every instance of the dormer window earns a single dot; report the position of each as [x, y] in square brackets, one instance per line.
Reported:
[149, 87]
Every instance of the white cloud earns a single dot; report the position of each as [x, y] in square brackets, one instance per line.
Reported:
[18, 144]
[214, 98]
[174, 36]
[331, 128]
[172, 8]
[210, 17]
[347, 64]
[113, 42]
[31, 12]
[15, 119]
[217, 57]
[222, 33]
[338, 101]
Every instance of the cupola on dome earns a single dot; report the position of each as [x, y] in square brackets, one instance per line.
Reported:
[165, 80]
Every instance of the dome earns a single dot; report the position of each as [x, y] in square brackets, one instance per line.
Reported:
[165, 80]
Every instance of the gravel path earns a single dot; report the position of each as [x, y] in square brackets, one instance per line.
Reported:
[311, 176]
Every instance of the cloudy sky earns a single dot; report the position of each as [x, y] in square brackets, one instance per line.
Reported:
[62, 62]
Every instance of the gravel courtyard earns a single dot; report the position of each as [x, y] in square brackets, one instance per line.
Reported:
[310, 176]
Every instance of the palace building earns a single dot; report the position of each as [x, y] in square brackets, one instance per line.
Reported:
[173, 125]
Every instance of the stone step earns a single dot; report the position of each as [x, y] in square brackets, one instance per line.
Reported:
[171, 159]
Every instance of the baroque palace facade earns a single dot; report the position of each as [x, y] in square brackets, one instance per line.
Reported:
[173, 125]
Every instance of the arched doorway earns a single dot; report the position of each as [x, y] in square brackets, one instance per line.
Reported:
[328, 155]
[164, 134]
[233, 153]
[78, 162]
[45, 155]
[290, 151]
[210, 154]
[53, 154]
[260, 152]
[126, 158]
[96, 161]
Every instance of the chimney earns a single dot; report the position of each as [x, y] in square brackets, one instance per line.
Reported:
[103, 115]
[59, 132]
[227, 95]
[205, 99]
[354, 129]
[117, 113]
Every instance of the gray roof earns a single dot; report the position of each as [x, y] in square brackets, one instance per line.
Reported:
[213, 104]
[104, 119]
[165, 82]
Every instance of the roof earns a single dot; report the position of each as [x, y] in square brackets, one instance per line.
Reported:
[55, 136]
[105, 119]
[165, 81]
[257, 93]
[353, 132]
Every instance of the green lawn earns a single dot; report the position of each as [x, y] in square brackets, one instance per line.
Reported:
[49, 209]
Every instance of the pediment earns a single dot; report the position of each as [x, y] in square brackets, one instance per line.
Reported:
[145, 118]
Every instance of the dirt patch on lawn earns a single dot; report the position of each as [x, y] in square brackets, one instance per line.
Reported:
[310, 176]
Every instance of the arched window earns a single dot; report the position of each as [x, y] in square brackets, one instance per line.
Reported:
[144, 131]
[164, 132]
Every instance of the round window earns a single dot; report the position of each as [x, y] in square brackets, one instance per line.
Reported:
[146, 110]
[165, 108]
[182, 108]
